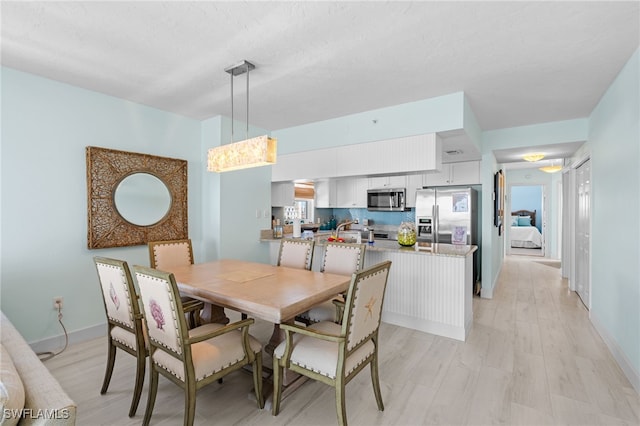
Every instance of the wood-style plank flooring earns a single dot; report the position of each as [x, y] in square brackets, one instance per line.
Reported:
[532, 358]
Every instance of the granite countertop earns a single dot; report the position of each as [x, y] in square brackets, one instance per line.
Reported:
[439, 249]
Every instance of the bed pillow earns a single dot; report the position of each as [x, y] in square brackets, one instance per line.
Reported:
[514, 220]
[524, 220]
[11, 390]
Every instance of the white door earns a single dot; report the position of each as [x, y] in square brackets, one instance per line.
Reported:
[583, 227]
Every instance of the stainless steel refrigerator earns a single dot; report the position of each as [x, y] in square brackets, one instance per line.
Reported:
[448, 215]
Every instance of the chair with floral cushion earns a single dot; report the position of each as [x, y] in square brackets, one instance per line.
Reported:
[164, 255]
[338, 258]
[332, 353]
[190, 358]
[124, 321]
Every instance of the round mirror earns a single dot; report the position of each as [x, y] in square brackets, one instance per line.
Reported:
[142, 199]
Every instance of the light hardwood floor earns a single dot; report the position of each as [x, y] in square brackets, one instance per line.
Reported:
[532, 358]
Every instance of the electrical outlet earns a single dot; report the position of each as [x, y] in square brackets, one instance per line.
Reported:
[57, 302]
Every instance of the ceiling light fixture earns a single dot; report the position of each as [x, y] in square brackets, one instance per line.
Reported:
[551, 168]
[254, 152]
[533, 157]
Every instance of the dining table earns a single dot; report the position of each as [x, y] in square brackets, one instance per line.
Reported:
[276, 294]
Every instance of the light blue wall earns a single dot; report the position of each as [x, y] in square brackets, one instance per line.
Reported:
[614, 138]
[427, 116]
[46, 126]
[527, 198]
[238, 202]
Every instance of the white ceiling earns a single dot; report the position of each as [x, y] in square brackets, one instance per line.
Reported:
[518, 63]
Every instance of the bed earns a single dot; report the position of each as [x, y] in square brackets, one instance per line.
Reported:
[523, 233]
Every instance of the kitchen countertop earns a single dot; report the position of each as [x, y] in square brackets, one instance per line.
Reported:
[438, 249]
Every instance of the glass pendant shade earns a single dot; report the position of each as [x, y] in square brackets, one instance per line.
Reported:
[254, 152]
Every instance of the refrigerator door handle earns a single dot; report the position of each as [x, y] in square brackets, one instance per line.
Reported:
[436, 221]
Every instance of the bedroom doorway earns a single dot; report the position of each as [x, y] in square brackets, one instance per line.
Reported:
[527, 232]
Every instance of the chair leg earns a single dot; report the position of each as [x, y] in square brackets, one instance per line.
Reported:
[257, 379]
[153, 390]
[277, 386]
[111, 360]
[340, 403]
[137, 390]
[189, 403]
[375, 379]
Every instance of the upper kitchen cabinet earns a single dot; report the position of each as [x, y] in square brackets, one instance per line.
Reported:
[396, 181]
[316, 164]
[414, 182]
[351, 192]
[464, 173]
[282, 194]
[325, 191]
[420, 153]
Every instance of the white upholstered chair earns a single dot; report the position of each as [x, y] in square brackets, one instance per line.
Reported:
[334, 353]
[296, 253]
[165, 255]
[124, 321]
[190, 358]
[338, 258]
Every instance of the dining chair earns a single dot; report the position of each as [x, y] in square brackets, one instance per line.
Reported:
[338, 258]
[165, 255]
[190, 358]
[332, 353]
[295, 253]
[125, 328]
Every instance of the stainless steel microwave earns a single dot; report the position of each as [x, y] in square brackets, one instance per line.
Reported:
[386, 199]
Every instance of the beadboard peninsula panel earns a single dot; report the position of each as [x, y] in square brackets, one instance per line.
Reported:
[428, 293]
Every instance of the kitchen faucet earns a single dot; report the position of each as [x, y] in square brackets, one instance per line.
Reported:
[342, 225]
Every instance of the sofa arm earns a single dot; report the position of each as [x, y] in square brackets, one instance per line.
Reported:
[46, 403]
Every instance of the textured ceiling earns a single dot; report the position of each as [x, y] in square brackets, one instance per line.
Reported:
[519, 63]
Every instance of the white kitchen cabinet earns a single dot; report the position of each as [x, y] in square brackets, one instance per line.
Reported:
[325, 193]
[396, 181]
[315, 164]
[282, 194]
[351, 192]
[392, 156]
[414, 182]
[463, 173]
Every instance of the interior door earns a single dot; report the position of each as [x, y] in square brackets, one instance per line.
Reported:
[583, 227]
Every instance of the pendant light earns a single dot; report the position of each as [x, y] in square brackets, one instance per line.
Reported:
[254, 152]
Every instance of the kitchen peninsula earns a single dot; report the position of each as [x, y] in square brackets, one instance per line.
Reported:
[430, 287]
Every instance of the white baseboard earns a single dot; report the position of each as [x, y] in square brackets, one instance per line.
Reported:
[56, 343]
[427, 326]
[620, 357]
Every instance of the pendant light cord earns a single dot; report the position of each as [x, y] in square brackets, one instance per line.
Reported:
[248, 71]
[231, 74]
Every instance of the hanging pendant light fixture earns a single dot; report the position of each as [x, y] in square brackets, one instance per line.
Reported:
[254, 152]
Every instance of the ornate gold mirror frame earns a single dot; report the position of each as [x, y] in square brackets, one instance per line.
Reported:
[106, 168]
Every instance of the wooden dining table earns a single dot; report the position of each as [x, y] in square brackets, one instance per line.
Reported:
[272, 293]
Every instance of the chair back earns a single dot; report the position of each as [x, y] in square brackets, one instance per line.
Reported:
[167, 254]
[343, 258]
[166, 323]
[364, 304]
[296, 253]
[118, 292]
